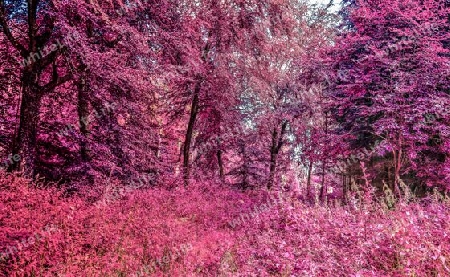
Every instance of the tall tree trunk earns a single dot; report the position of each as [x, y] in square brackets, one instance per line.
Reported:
[189, 133]
[245, 170]
[83, 116]
[324, 160]
[397, 167]
[277, 143]
[388, 174]
[273, 159]
[220, 161]
[397, 161]
[24, 143]
[344, 189]
[308, 181]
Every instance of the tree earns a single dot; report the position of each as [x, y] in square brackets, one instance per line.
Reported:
[204, 76]
[391, 76]
[40, 67]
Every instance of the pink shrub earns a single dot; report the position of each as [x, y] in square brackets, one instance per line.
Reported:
[186, 232]
[412, 240]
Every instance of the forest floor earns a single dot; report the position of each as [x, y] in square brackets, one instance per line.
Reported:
[216, 231]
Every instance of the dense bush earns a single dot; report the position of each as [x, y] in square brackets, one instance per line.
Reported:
[195, 233]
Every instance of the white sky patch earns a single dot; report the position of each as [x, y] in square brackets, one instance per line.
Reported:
[336, 4]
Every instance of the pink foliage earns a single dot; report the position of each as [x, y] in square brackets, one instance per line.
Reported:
[149, 227]
[224, 138]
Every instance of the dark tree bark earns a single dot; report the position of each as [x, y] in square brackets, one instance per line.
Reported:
[83, 115]
[344, 189]
[308, 181]
[220, 161]
[324, 160]
[245, 167]
[277, 143]
[189, 133]
[24, 143]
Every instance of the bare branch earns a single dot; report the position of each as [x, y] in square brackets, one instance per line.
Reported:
[4, 24]
[56, 80]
